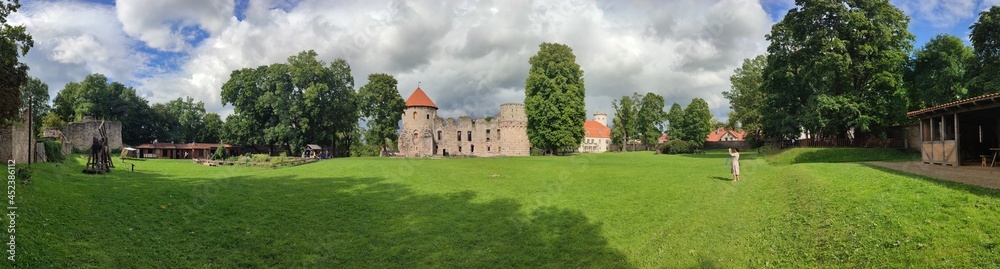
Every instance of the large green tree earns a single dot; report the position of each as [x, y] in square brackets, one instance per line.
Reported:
[936, 74]
[697, 121]
[554, 98]
[212, 130]
[650, 115]
[14, 43]
[624, 127]
[984, 73]
[35, 95]
[745, 96]
[382, 106]
[329, 100]
[188, 119]
[675, 119]
[96, 96]
[834, 65]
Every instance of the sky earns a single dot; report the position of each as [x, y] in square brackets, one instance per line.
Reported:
[468, 56]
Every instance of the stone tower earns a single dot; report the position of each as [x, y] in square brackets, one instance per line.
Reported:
[601, 117]
[512, 132]
[416, 137]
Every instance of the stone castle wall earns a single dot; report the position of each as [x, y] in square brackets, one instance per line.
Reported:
[14, 140]
[80, 135]
[425, 134]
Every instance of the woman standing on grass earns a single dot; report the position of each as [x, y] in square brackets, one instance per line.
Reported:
[736, 163]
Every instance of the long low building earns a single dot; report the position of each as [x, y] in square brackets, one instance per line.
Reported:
[182, 151]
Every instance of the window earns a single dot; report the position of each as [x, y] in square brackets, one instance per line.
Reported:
[459, 148]
[487, 148]
[460, 138]
[472, 148]
[414, 115]
[439, 135]
[498, 133]
[428, 116]
[588, 133]
[470, 135]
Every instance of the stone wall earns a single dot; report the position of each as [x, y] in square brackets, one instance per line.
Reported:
[80, 135]
[14, 140]
[425, 134]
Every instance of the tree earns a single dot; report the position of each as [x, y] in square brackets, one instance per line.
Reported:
[330, 103]
[625, 120]
[834, 65]
[650, 115]
[382, 105]
[14, 43]
[52, 120]
[675, 117]
[697, 121]
[554, 98]
[212, 128]
[936, 74]
[95, 96]
[746, 98]
[35, 92]
[189, 119]
[65, 102]
[985, 37]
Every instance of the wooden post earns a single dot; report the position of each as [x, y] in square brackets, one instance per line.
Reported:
[958, 148]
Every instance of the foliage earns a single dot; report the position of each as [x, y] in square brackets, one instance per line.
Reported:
[985, 38]
[649, 120]
[51, 120]
[936, 74]
[382, 105]
[624, 123]
[675, 118]
[746, 98]
[291, 104]
[840, 155]
[220, 154]
[36, 92]
[677, 146]
[96, 96]
[554, 98]
[186, 119]
[15, 41]
[697, 121]
[53, 151]
[212, 129]
[833, 65]
[359, 148]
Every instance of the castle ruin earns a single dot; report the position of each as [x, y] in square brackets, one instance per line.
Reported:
[425, 134]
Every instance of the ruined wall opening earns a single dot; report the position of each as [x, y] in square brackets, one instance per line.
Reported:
[470, 135]
[439, 135]
[459, 138]
[472, 148]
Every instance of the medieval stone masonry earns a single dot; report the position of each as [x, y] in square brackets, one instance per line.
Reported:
[425, 134]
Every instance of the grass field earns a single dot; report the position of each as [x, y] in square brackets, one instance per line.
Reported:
[801, 208]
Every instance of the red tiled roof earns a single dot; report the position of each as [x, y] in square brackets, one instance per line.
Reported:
[968, 102]
[717, 135]
[596, 129]
[419, 98]
[182, 146]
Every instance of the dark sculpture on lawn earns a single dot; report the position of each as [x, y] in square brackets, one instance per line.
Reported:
[99, 161]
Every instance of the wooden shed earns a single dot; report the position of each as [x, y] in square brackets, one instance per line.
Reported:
[964, 130]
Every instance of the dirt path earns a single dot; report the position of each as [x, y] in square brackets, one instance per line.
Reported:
[973, 175]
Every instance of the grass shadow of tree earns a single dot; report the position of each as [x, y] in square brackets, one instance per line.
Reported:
[366, 223]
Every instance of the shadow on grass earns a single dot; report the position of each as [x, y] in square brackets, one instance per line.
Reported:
[958, 186]
[723, 178]
[363, 222]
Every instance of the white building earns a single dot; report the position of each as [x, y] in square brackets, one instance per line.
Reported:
[597, 136]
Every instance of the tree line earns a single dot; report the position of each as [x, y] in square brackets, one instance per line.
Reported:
[836, 68]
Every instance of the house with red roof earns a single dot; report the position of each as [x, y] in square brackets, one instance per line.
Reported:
[597, 135]
[723, 135]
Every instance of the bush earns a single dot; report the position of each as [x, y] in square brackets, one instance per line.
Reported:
[53, 151]
[260, 158]
[220, 154]
[677, 146]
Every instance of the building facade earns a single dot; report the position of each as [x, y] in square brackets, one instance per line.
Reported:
[597, 135]
[425, 134]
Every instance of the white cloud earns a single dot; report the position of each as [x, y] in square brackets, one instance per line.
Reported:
[73, 39]
[469, 56]
[161, 24]
[939, 13]
[987, 4]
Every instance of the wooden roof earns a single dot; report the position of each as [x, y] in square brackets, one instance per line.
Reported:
[182, 146]
[969, 104]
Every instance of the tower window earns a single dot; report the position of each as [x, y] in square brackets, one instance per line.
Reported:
[414, 115]
[428, 116]
[472, 148]
[439, 135]
[459, 148]
[459, 138]
[470, 135]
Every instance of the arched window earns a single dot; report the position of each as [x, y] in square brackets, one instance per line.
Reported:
[498, 133]
[428, 116]
[460, 138]
[414, 115]
[470, 135]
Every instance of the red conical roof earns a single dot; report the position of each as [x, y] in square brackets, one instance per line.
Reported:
[419, 98]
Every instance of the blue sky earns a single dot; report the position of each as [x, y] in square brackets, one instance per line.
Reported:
[469, 56]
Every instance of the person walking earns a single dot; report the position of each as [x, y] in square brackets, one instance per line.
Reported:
[736, 163]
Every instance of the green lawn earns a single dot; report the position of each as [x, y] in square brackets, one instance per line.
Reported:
[800, 208]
